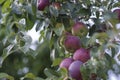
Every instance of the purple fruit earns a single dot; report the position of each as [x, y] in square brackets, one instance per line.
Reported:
[82, 55]
[66, 63]
[63, 37]
[74, 70]
[79, 29]
[42, 4]
[118, 13]
[72, 43]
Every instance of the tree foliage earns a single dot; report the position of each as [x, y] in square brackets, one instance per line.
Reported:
[19, 61]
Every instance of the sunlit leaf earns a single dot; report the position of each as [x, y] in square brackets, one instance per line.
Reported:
[4, 75]
[29, 75]
[6, 6]
[56, 62]
[1, 1]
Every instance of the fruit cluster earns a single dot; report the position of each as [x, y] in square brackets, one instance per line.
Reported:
[80, 55]
[73, 44]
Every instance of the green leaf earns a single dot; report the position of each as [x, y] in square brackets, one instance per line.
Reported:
[85, 71]
[113, 51]
[47, 73]
[112, 18]
[30, 21]
[24, 42]
[84, 12]
[110, 60]
[4, 75]
[56, 62]
[63, 71]
[34, 6]
[2, 34]
[116, 4]
[6, 6]
[59, 27]
[118, 57]
[6, 53]
[37, 78]
[39, 25]
[16, 9]
[28, 9]
[1, 1]
[108, 57]
[84, 40]
[92, 30]
[11, 37]
[32, 53]
[54, 11]
[101, 37]
[49, 34]
[30, 76]
[25, 48]
[50, 73]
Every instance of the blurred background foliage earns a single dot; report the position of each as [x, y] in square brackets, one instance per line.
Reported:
[19, 61]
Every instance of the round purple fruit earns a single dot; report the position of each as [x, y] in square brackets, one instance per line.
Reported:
[42, 4]
[74, 70]
[79, 29]
[72, 43]
[117, 11]
[66, 63]
[82, 55]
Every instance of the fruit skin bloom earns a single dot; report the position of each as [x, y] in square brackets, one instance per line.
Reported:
[42, 4]
[82, 55]
[72, 43]
[66, 63]
[74, 70]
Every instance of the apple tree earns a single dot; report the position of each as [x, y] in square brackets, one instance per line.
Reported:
[78, 40]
